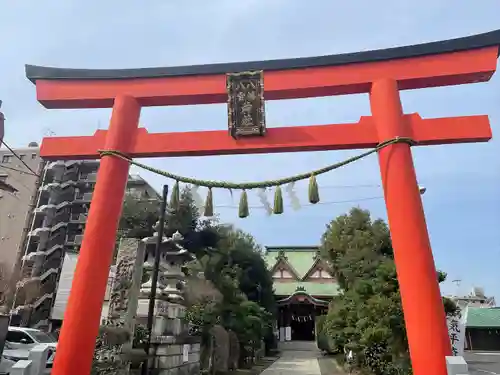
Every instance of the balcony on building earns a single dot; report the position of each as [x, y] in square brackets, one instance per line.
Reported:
[39, 232]
[78, 218]
[56, 238]
[81, 197]
[74, 239]
[87, 177]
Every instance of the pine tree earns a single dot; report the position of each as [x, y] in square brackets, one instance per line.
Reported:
[367, 316]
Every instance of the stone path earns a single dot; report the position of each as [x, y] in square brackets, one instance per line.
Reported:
[302, 359]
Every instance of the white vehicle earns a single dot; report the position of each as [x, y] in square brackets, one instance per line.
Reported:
[21, 340]
[27, 338]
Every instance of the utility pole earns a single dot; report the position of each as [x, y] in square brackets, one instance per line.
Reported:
[2, 123]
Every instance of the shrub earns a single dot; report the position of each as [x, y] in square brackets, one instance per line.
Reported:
[322, 339]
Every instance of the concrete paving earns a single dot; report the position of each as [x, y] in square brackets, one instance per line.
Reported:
[481, 363]
[302, 358]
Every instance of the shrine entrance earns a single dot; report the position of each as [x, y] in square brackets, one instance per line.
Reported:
[245, 86]
[302, 323]
[297, 316]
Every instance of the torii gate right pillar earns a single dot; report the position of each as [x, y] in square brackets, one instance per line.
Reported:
[424, 314]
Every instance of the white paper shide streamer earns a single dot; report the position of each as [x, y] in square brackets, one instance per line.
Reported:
[261, 193]
[198, 200]
[294, 200]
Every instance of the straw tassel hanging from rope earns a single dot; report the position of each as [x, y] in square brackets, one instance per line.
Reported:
[243, 207]
[209, 204]
[313, 190]
[174, 197]
[278, 201]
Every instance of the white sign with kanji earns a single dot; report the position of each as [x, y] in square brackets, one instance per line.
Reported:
[456, 330]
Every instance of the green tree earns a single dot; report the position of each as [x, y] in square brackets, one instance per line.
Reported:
[240, 273]
[367, 316]
[138, 217]
[239, 250]
[230, 260]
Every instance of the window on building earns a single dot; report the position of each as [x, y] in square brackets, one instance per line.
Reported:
[22, 156]
[3, 177]
[33, 156]
[7, 158]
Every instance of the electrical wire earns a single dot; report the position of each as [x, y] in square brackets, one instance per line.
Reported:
[12, 177]
[309, 204]
[18, 170]
[20, 159]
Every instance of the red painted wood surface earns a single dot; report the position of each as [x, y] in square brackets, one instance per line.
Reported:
[82, 316]
[412, 73]
[285, 139]
[423, 309]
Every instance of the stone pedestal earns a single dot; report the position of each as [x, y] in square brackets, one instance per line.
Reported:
[456, 365]
[38, 357]
[172, 351]
[175, 352]
[22, 367]
[182, 357]
[35, 364]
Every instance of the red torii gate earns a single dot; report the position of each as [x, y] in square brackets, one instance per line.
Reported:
[380, 73]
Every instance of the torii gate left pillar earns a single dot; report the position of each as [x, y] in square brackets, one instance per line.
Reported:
[380, 73]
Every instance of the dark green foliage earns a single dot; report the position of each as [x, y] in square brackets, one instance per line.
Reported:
[322, 338]
[367, 317]
[239, 250]
[138, 217]
[231, 262]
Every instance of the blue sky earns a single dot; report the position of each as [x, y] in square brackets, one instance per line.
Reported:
[463, 181]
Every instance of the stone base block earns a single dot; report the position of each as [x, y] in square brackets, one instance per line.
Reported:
[162, 308]
[456, 365]
[177, 357]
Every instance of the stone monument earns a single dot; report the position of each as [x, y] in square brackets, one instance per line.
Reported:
[172, 350]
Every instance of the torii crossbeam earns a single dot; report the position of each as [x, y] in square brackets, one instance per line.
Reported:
[380, 73]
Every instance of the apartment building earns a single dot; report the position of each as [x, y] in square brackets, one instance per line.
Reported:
[55, 230]
[15, 206]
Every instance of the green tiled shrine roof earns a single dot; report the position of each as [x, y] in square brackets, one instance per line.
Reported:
[301, 259]
[313, 289]
[478, 317]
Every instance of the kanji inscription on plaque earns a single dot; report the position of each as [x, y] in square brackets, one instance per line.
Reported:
[246, 114]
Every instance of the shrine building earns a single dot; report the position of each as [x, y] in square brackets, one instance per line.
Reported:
[303, 286]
